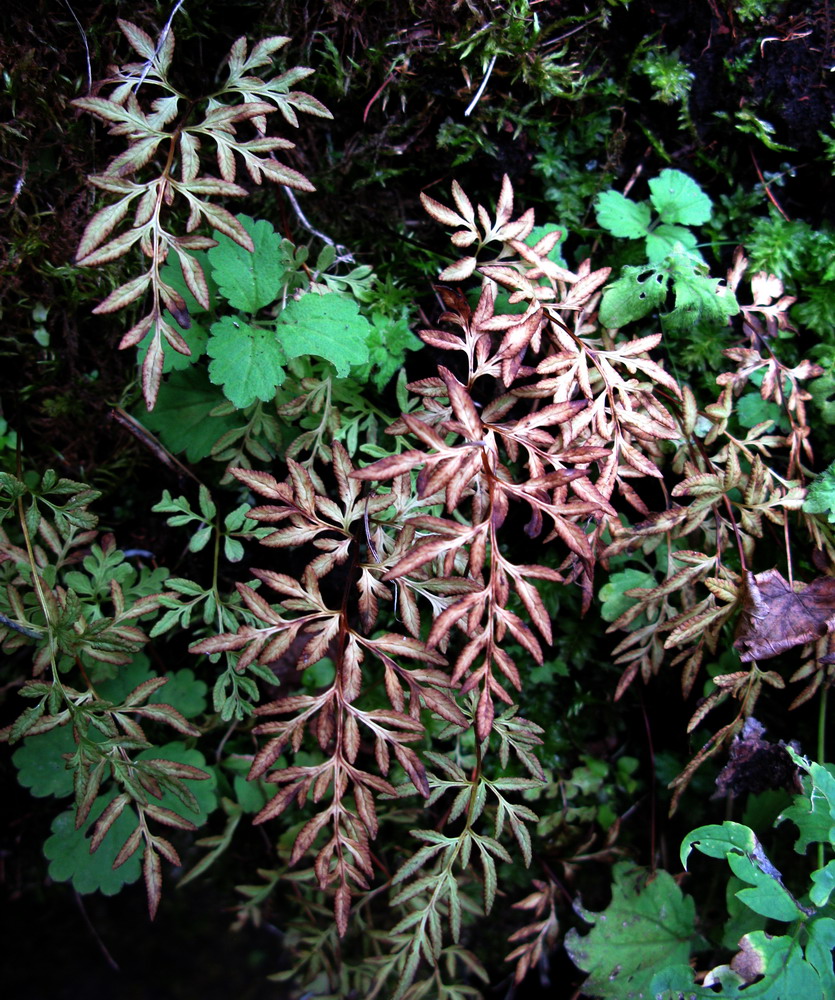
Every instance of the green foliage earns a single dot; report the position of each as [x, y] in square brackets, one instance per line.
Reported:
[640, 290]
[41, 766]
[666, 72]
[674, 263]
[677, 201]
[615, 593]
[68, 851]
[283, 324]
[821, 496]
[650, 924]
[804, 258]
[799, 962]
[748, 122]
[248, 362]
[328, 326]
[751, 10]
[252, 279]
[409, 696]
[643, 940]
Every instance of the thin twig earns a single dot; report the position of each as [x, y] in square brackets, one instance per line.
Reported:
[345, 257]
[480, 91]
[771, 197]
[162, 37]
[86, 46]
[149, 441]
[111, 961]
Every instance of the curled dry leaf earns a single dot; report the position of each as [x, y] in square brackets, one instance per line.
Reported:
[776, 617]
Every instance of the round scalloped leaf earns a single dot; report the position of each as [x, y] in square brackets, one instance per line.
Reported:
[537, 233]
[613, 593]
[698, 298]
[69, 854]
[40, 763]
[661, 242]
[821, 496]
[678, 198]
[248, 361]
[638, 291]
[249, 281]
[327, 326]
[249, 794]
[172, 360]
[752, 409]
[172, 274]
[622, 217]
[649, 925]
[183, 691]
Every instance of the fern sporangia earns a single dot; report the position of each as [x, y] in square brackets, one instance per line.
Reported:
[165, 141]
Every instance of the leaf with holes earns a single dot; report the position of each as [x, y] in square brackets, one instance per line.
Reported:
[638, 291]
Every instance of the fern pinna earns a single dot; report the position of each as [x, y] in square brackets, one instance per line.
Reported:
[539, 413]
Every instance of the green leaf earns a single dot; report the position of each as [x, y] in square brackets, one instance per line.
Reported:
[622, 217]
[555, 254]
[326, 326]
[678, 198]
[182, 691]
[662, 241]
[200, 539]
[249, 281]
[613, 593]
[786, 973]
[819, 953]
[172, 274]
[68, 850]
[821, 496]
[638, 291]
[250, 795]
[822, 391]
[181, 416]
[249, 361]
[824, 884]
[752, 409]
[185, 693]
[40, 763]
[743, 852]
[233, 550]
[388, 341]
[698, 297]
[649, 925]
[741, 920]
[813, 812]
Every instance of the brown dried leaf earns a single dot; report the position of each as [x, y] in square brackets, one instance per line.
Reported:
[776, 617]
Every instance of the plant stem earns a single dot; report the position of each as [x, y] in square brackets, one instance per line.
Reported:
[822, 723]
[821, 754]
